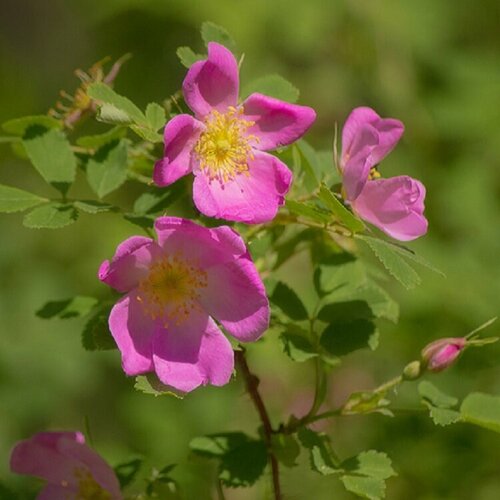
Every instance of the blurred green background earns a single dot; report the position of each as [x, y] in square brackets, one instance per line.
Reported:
[434, 64]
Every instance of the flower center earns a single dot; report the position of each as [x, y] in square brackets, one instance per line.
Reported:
[171, 289]
[88, 488]
[224, 148]
[374, 174]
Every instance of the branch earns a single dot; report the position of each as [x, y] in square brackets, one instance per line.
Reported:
[252, 384]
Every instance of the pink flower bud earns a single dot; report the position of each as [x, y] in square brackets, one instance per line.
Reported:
[440, 354]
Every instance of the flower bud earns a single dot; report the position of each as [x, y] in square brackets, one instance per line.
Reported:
[412, 370]
[442, 353]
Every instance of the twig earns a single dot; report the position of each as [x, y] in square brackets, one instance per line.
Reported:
[252, 384]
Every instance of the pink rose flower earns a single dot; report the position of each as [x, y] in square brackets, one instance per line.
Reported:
[173, 288]
[224, 144]
[442, 353]
[394, 205]
[73, 470]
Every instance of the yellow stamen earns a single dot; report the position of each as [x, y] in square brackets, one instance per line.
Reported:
[88, 488]
[374, 174]
[224, 148]
[171, 289]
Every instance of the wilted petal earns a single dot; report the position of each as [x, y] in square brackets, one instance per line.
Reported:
[192, 353]
[133, 332]
[181, 134]
[129, 264]
[252, 198]
[212, 83]
[236, 298]
[394, 205]
[277, 123]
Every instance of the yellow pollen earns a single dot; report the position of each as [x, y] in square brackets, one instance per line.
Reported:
[224, 148]
[171, 289]
[88, 488]
[374, 174]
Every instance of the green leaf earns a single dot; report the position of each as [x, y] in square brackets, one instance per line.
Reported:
[366, 402]
[17, 200]
[440, 404]
[146, 133]
[274, 86]
[156, 200]
[320, 455]
[211, 32]
[187, 57]
[107, 169]
[288, 301]
[341, 274]
[51, 154]
[127, 471]
[51, 216]
[364, 487]
[155, 115]
[367, 474]
[410, 254]
[340, 213]
[297, 347]
[306, 160]
[96, 335]
[343, 337]
[70, 308]
[104, 93]
[242, 459]
[242, 466]
[108, 113]
[286, 448]
[368, 302]
[19, 126]
[92, 207]
[393, 261]
[97, 141]
[143, 221]
[150, 384]
[434, 396]
[308, 211]
[482, 410]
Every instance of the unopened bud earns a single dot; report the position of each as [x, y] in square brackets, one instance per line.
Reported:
[442, 353]
[412, 370]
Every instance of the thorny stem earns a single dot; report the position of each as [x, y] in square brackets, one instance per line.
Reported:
[252, 386]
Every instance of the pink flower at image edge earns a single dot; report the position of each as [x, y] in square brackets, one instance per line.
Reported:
[394, 205]
[224, 145]
[173, 289]
[71, 468]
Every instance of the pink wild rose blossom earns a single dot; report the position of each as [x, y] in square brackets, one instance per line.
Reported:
[73, 470]
[394, 205]
[224, 144]
[174, 287]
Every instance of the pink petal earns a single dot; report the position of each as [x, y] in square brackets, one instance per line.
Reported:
[395, 206]
[55, 492]
[45, 461]
[133, 332]
[277, 123]
[236, 298]
[99, 469]
[252, 198]
[129, 264]
[389, 131]
[212, 83]
[198, 244]
[356, 163]
[181, 134]
[193, 353]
